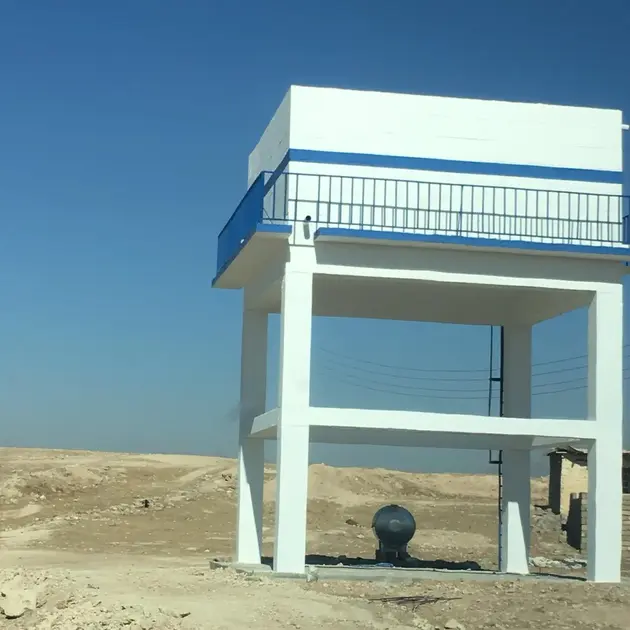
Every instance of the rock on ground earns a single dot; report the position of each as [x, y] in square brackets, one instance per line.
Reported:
[14, 602]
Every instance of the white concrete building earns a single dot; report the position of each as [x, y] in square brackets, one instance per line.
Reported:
[396, 206]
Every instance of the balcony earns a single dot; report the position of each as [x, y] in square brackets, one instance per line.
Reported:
[431, 212]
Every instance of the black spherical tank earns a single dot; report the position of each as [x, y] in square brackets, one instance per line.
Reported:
[393, 526]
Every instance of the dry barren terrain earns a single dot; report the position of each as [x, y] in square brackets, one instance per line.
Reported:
[101, 540]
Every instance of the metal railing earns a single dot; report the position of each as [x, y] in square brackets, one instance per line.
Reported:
[420, 207]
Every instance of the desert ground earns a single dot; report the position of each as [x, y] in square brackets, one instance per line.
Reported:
[101, 540]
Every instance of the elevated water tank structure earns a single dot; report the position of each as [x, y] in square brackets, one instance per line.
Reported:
[497, 213]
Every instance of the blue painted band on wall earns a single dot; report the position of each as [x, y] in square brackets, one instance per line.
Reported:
[446, 166]
[467, 241]
[279, 170]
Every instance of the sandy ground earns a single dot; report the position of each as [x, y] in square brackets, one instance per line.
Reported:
[77, 538]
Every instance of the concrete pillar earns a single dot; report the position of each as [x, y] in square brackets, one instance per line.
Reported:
[293, 430]
[516, 505]
[605, 408]
[516, 508]
[251, 459]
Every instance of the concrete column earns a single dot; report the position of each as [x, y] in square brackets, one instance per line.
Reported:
[291, 498]
[293, 430]
[516, 505]
[251, 458]
[515, 539]
[605, 408]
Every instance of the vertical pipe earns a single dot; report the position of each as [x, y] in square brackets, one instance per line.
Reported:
[491, 375]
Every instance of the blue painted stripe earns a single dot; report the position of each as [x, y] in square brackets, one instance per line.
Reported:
[279, 170]
[448, 166]
[267, 228]
[274, 228]
[444, 239]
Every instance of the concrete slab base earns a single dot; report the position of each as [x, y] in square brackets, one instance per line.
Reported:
[369, 573]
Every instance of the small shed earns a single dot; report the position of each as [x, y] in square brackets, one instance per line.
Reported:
[568, 474]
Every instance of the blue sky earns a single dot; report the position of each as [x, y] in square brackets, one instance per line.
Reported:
[124, 134]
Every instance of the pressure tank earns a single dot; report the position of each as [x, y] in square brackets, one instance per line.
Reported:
[393, 526]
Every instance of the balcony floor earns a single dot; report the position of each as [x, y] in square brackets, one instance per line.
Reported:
[568, 249]
[435, 430]
[267, 243]
[268, 246]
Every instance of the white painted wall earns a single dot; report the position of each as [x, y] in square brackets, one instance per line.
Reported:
[382, 123]
[274, 143]
[429, 202]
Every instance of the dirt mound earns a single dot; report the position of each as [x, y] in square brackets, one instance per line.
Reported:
[50, 599]
[349, 486]
[355, 486]
[166, 598]
[11, 488]
[69, 479]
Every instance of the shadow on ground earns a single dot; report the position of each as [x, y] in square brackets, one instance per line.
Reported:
[411, 563]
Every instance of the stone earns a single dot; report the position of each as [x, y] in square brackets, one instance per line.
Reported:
[541, 562]
[575, 563]
[453, 624]
[423, 624]
[14, 603]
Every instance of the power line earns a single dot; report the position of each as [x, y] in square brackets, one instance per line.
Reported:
[398, 367]
[361, 385]
[414, 390]
[561, 370]
[410, 394]
[411, 387]
[448, 371]
[560, 391]
[571, 380]
[447, 380]
[410, 377]
[442, 379]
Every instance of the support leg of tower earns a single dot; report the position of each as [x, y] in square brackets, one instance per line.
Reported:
[605, 408]
[291, 498]
[293, 429]
[516, 512]
[516, 501]
[251, 451]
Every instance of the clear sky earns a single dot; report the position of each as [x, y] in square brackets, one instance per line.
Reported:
[124, 134]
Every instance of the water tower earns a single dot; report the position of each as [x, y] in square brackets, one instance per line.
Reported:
[421, 208]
